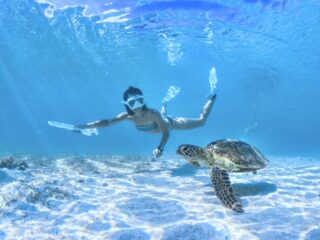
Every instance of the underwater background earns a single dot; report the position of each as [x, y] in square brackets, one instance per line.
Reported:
[71, 60]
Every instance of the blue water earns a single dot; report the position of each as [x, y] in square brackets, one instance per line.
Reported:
[71, 60]
[72, 64]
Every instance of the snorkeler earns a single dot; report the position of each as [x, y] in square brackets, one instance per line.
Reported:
[151, 120]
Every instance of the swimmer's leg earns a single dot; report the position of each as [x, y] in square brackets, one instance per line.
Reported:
[190, 123]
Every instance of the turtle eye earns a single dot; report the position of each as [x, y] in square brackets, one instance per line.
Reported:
[181, 150]
[184, 149]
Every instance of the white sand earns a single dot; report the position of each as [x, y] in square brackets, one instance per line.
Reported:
[103, 197]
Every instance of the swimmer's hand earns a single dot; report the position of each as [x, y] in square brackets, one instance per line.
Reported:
[158, 152]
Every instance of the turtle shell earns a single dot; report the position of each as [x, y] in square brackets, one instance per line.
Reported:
[235, 155]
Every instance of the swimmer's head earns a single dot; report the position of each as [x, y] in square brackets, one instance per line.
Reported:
[133, 99]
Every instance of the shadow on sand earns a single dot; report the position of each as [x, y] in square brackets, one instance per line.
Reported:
[185, 170]
[250, 189]
[253, 189]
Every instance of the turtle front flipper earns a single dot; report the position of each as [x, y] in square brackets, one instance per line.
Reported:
[222, 186]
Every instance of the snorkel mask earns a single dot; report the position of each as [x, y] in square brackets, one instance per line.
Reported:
[134, 102]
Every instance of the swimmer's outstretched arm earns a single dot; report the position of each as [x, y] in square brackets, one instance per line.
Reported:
[105, 122]
[165, 134]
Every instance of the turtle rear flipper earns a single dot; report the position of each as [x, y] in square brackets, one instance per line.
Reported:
[222, 186]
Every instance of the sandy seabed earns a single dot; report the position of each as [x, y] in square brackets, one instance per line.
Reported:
[117, 197]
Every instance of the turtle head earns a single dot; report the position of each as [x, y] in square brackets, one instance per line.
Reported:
[192, 153]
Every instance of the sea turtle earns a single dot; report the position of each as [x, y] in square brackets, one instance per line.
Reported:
[221, 157]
